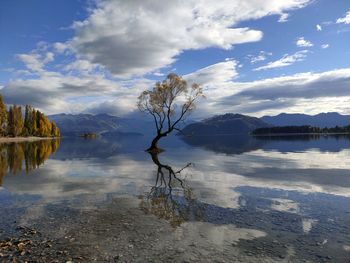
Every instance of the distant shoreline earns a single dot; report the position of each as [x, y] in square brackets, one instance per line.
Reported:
[24, 139]
[305, 133]
[263, 135]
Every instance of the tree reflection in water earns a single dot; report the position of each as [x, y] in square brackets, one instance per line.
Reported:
[15, 157]
[171, 198]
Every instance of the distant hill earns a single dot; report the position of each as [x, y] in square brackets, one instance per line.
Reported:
[104, 124]
[322, 120]
[85, 123]
[229, 123]
[225, 124]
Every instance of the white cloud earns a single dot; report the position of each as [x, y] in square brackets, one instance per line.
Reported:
[55, 92]
[302, 42]
[81, 66]
[285, 61]
[138, 37]
[214, 74]
[128, 38]
[216, 79]
[283, 18]
[318, 27]
[35, 62]
[125, 40]
[158, 74]
[60, 47]
[324, 46]
[31, 61]
[305, 93]
[48, 57]
[258, 58]
[262, 56]
[345, 19]
[304, 85]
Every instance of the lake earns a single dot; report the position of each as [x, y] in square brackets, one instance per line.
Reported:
[204, 199]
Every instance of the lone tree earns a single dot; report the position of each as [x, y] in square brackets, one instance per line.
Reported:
[169, 103]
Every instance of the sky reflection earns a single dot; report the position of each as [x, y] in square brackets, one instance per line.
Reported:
[78, 168]
[245, 199]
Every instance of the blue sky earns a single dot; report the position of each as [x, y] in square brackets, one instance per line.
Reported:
[255, 58]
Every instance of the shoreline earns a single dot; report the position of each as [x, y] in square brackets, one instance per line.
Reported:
[24, 139]
[299, 134]
[263, 135]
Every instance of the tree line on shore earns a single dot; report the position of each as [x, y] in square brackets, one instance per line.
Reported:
[300, 129]
[33, 123]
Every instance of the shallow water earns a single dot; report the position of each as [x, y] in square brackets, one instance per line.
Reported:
[272, 199]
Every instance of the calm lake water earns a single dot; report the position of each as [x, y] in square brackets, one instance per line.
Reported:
[272, 199]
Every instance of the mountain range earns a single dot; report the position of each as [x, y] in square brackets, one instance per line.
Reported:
[322, 120]
[103, 124]
[225, 124]
[229, 123]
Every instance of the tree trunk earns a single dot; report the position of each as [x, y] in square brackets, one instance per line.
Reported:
[154, 156]
[154, 145]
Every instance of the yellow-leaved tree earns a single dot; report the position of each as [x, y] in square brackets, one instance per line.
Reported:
[169, 103]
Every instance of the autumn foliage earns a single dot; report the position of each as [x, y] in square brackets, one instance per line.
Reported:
[26, 156]
[169, 103]
[33, 123]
